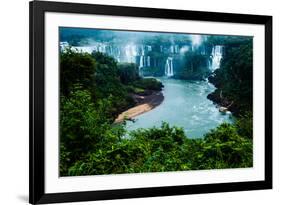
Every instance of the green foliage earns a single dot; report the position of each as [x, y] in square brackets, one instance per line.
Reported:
[225, 148]
[195, 67]
[244, 125]
[82, 124]
[128, 72]
[106, 75]
[109, 86]
[76, 68]
[148, 84]
[234, 80]
[92, 95]
[168, 149]
[153, 71]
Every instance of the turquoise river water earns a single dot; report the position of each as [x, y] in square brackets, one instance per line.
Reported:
[185, 105]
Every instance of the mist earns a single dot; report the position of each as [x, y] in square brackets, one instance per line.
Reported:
[89, 37]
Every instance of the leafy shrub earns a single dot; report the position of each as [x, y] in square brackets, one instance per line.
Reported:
[223, 147]
[168, 149]
[148, 84]
[244, 125]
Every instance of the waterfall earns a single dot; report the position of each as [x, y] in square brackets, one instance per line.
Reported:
[110, 50]
[142, 50]
[169, 67]
[148, 61]
[177, 49]
[184, 49]
[121, 53]
[216, 57]
[142, 59]
[130, 53]
[172, 68]
[140, 54]
[172, 49]
[127, 53]
[141, 62]
[116, 54]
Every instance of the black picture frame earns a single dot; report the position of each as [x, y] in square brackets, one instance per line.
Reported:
[37, 11]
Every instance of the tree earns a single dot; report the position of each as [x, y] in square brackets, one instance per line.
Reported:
[76, 68]
[128, 72]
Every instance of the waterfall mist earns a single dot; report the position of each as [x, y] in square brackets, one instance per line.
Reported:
[164, 53]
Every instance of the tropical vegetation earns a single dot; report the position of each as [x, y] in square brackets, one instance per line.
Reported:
[94, 89]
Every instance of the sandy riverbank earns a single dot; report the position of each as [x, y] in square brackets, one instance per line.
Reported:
[145, 103]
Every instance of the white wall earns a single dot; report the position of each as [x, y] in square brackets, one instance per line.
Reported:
[14, 100]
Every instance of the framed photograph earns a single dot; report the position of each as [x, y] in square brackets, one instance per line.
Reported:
[140, 102]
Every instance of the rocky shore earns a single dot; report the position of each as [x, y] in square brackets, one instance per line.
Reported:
[223, 103]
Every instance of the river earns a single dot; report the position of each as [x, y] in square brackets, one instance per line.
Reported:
[185, 105]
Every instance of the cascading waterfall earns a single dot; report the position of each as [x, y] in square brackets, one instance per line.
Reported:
[144, 60]
[141, 62]
[169, 67]
[101, 48]
[174, 48]
[148, 61]
[217, 53]
[141, 55]
[127, 53]
[130, 53]
[177, 49]
[142, 50]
